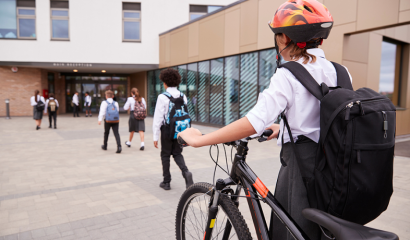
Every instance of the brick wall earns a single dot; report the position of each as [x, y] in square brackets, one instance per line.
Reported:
[19, 88]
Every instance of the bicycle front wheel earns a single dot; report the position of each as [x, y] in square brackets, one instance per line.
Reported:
[192, 216]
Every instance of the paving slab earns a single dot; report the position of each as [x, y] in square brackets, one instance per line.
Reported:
[59, 184]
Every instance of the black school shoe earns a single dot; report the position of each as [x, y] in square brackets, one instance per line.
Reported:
[188, 178]
[55, 127]
[49, 126]
[103, 147]
[119, 149]
[165, 186]
[37, 127]
[142, 148]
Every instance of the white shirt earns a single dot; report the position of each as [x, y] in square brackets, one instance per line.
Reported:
[87, 100]
[131, 103]
[286, 92]
[39, 98]
[103, 108]
[161, 110]
[45, 108]
[75, 99]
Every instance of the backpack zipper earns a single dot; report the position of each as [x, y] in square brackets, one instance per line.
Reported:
[348, 107]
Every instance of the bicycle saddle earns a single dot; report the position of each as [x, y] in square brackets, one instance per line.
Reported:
[344, 230]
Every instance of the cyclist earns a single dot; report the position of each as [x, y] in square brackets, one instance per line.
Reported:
[300, 27]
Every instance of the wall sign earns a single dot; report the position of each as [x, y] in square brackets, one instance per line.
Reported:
[72, 64]
[14, 69]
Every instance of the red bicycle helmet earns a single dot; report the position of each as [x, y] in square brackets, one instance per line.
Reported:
[302, 21]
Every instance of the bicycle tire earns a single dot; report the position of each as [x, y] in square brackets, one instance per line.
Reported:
[226, 205]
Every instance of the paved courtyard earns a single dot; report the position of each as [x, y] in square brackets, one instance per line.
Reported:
[59, 184]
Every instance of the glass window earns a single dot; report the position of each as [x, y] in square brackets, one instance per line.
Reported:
[182, 86]
[192, 94]
[213, 8]
[8, 19]
[152, 94]
[60, 24]
[203, 92]
[131, 25]
[50, 77]
[231, 87]
[193, 16]
[26, 19]
[216, 92]
[267, 67]
[390, 70]
[249, 82]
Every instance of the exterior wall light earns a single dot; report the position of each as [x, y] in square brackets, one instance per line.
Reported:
[103, 71]
[75, 70]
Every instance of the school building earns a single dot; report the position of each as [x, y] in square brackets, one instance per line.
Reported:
[225, 55]
[63, 46]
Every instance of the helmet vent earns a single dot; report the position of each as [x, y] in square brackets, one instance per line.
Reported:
[307, 8]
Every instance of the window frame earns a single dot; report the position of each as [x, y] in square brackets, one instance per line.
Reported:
[59, 18]
[124, 19]
[399, 72]
[18, 17]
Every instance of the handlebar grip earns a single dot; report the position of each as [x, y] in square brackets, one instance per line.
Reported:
[267, 133]
[182, 142]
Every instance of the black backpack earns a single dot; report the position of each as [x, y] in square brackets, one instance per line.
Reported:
[353, 175]
[177, 119]
[40, 105]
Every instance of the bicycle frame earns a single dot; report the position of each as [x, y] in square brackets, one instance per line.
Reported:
[242, 174]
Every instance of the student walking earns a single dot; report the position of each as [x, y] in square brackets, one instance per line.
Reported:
[109, 110]
[87, 104]
[51, 107]
[38, 104]
[76, 104]
[171, 105]
[296, 41]
[136, 123]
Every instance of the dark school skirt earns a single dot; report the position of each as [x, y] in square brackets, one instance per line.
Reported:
[134, 124]
[291, 192]
[37, 115]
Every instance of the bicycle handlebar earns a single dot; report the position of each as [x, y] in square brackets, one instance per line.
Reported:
[261, 138]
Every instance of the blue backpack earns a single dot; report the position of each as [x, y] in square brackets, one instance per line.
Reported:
[177, 119]
[112, 114]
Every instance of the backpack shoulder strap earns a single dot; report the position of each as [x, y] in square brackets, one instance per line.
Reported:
[343, 78]
[167, 94]
[304, 77]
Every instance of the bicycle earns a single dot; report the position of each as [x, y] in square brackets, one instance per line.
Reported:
[206, 201]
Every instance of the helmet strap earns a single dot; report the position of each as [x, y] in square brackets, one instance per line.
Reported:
[279, 56]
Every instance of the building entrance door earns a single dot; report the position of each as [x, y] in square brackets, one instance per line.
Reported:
[96, 86]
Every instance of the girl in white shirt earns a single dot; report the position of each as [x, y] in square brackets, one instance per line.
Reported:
[299, 27]
[37, 114]
[134, 124]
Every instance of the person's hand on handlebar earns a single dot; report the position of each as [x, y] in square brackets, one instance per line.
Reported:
[191, 136]
[275, 128]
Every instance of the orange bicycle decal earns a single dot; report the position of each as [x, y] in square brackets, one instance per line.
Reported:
[261, 188]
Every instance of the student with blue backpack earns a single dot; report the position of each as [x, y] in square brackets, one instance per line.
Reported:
[170, 118]
[110, 110]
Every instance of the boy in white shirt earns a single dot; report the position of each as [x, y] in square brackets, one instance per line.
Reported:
[51, 107]
[171, 79]
[107, 125]
[76, 104]
[87, 104]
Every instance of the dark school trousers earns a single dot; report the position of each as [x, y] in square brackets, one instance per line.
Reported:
[291, 192]
[75, 110]
[170, 147]
[114, 127]
[51, 116]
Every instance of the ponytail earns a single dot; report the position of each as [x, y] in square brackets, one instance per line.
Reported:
[135, 93]
[35, 95]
